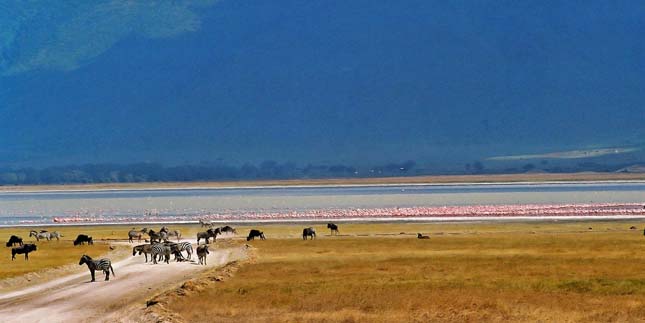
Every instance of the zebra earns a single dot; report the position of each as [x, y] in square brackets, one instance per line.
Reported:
[161, 250]
[205, 223]
[45, 235]
[142, 249]
[102, 264]
[170, 233]
[134, 234]
[184, 246]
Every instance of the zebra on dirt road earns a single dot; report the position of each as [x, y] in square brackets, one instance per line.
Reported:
[103, 264]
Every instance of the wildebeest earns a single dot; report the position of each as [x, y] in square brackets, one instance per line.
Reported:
[228, 229]
[26, 249]
[210, 233]
[154, 236]
[82, 239]
[13, 240]
[308, 232]
[254, 234]
[333, 228]
[202, 251]
[632, 228]
[142, 249]
[421, 236]
[134, 234]
[170, 233]
[102, 264]
[44, 234]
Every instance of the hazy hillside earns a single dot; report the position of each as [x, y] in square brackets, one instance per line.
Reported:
[361, 83]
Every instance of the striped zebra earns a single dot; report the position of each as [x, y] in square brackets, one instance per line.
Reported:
[170, 233]
[45, 235]
[184, 246]
[159, 249]
[134, 234]
[102, 264]
[205, 223]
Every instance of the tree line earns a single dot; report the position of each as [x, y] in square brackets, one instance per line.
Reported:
[266, 170]
[155, 172]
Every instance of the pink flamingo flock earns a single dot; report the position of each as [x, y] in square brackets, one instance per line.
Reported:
[447, 212]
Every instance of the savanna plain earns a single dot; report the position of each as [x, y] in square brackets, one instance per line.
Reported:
[380, 272]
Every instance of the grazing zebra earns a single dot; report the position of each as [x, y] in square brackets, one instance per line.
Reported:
[45, 235]
[102, 264]
[134, 234]
[170, 233]
[159, 249]
[142, 249]
[202, 251]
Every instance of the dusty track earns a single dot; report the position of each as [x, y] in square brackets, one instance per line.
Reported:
[74, 299]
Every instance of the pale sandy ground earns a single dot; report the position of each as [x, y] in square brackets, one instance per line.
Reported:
[73, 298]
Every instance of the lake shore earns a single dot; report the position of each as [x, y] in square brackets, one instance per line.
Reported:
[407, 180]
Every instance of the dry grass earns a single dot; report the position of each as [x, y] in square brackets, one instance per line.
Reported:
[498, 178]
[55, 254]
[471, 272]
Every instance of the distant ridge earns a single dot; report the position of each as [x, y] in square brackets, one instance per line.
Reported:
[637, 168]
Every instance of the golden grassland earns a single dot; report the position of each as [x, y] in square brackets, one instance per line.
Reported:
[562, 272]
[54, 254]
[434, 179]
[536, 271]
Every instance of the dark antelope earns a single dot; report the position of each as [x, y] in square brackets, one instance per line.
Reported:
[255, 234]
[13, 240]
[26, 249]
[308, 232]
[333, 228]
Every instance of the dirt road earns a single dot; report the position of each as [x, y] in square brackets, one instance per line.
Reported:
[74, 299]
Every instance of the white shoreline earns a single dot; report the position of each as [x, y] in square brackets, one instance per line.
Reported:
[435, 219]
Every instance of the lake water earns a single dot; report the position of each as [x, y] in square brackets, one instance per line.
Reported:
[42, 207]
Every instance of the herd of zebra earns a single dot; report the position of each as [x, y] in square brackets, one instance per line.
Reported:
[158, 245]
[160, 248]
